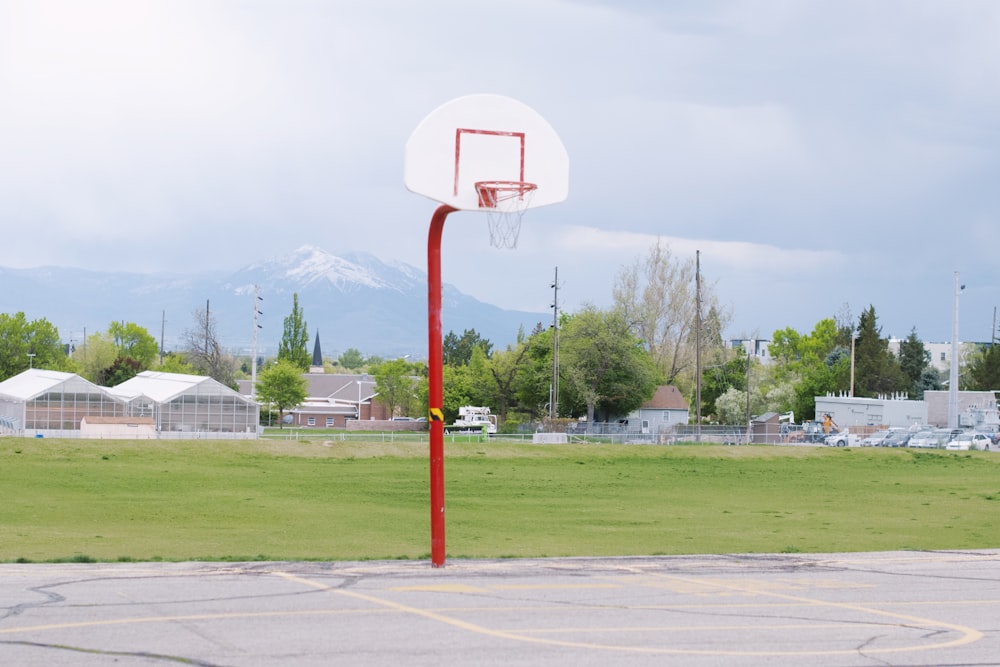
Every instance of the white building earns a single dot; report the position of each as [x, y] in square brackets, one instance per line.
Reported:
[189, 405]
[52, 403]
[889, 411]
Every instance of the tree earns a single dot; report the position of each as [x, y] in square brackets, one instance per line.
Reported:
[395, 384]
[351, 359]
[205, 353]
[294, 345]
[605, 365]
[135, 342]
[20, 338]
[281, 385]
[458, 350]
[818, 380]
[814, 364]
[533, 383]
[731, 407]
[876, 369]
[984, 369]
[176, 363]
[718, 379]
[121, 369]
[96, 355]
[501, 371]
[658, 299]
[915, 361]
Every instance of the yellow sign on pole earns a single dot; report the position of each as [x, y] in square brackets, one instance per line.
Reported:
[436, 415]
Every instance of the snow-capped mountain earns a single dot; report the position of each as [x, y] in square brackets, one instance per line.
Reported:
[354, 301]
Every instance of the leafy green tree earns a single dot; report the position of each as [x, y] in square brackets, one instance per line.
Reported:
[457, 351]
[930, 380]
[458, 389]
[97, 354]
[294, 345]
[914, 361]
[984, 369]
[877, 370]
[817, 380]
[814, 363]
[395, 384]
[606, 367]
[731, 407]
[501, 371]
[282, 386]
[718, 379]
[134, 342]
[351, 359]
[20, 338]
[533, 383]
[121, 369]
[176, 363]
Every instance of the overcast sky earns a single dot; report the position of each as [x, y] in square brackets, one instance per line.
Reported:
[820, 154]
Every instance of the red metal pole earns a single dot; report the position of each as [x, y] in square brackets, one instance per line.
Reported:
[435, 389]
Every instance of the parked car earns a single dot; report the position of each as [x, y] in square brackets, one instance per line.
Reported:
[842, 439]
[897, 438]
[969, 440]
[876, 439]
[923, 439]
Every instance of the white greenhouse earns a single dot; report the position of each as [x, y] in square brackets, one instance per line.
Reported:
[189, 405]
[41, 402]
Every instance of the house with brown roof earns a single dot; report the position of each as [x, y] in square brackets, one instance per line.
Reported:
[659, 414]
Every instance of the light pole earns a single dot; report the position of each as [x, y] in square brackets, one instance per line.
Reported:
[953, 371]
[554, 393]
[853, 339]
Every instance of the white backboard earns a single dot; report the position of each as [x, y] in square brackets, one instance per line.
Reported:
[485, 138]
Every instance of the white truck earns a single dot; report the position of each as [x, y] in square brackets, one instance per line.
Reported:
[474, 418]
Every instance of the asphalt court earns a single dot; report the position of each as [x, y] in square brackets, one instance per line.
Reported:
[896, 608]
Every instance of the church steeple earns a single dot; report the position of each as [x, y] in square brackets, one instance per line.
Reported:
[317, 360]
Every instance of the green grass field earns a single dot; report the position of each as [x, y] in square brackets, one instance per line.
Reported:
[327, 500]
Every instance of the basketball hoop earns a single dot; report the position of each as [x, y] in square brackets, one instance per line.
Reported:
[505, 203]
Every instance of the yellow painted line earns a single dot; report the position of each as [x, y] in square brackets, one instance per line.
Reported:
[184, 617]
[440, 588]
[969, 635]
[696, 628]
[552, 587]
[463, 588]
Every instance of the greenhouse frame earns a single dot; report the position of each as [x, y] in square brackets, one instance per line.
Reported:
[186, 406]
[47, 403]
[53, 403]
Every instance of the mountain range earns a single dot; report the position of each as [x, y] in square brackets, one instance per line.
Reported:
[353, 301]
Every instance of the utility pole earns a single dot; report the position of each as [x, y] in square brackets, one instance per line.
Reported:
[697, 345]
[853, 338]
[253, 362]
[953, 375]
[206, 328]
[554, 397]
[748, 392]
[163, 327]
[993, 331]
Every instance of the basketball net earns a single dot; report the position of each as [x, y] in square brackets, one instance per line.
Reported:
[505, 203]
